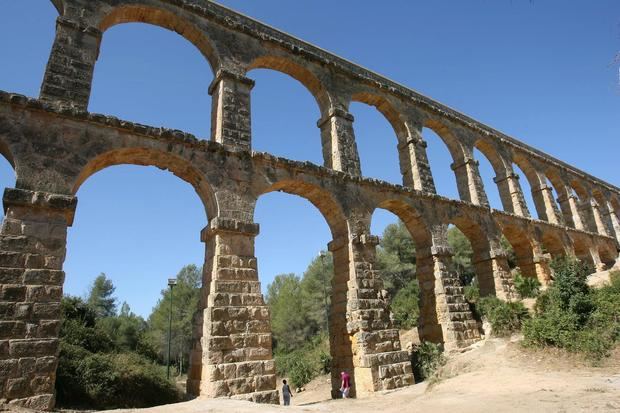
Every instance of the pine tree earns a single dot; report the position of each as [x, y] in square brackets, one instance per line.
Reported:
[100, 297]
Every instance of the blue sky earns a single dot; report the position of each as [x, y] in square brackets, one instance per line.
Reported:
[541, 71]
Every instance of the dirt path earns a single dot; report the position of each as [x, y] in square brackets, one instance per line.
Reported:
[493, 376]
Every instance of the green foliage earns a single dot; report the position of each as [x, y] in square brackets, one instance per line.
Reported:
[305, 363]
[93, 370]
[506, 246]
[100, 298]
[426, 359]
[472, 292]
[570, 315]
[505, 317]
[316, 289]
[405, 305]
[185, 298]
[396, 257]
[463, 254]
[527, 287]
[110, 380]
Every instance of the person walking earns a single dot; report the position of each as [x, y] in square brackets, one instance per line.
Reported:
[345, 386]
[286, 393]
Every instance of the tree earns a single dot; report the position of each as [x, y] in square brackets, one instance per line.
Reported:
[290, 323]
[463, 253]
[126, 329]
[396, 257]
[184, 305]
[316, 289]
[100, 297]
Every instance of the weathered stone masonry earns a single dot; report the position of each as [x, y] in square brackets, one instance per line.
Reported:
[54, 144]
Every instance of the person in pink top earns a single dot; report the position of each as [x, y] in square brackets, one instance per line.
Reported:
[346, 384]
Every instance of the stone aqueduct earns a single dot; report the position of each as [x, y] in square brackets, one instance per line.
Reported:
[54, 145]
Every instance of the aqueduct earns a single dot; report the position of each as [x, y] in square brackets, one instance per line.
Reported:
[55, 144]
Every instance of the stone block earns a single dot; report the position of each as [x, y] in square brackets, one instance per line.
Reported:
[11, 275]
[9, 292]
[33, 348]
[44, 277]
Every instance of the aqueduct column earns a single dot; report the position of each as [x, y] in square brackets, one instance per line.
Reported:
[601, 228]
[338, 141]
[511, 193]
[608, 211]
[233, 357]
[32, 252]
[378, 362]
[69, 73]
[445, 316]
[414, 163]
[230, 110]
[469, 182]
[545, 205]
[568, 203]
[493, 273]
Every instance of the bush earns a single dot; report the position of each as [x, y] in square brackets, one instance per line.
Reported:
[108, 380]
[405, 305]
[527, 287]
[426, 358]
[570, 315]
[304, 364]
[471, 293]
[505, 317]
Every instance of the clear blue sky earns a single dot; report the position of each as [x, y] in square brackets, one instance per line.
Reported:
[539, 70]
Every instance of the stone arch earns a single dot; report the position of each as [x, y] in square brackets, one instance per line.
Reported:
[582, 251]
[454, 146]
[488, 149]
[59, 5]
[429, 323]
[327, 205]
[608, 254]
[523, 248]
[5, 151]
[152, 157]
[303, 75]
[384, 107]
[553, 244]
[163, 18]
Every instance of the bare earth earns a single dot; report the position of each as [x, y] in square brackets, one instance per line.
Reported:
[493, 376]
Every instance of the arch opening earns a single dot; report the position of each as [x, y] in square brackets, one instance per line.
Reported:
[127, 228]
[375, 122]
[488, 171]
[7, 174]
[284, 116]
[520, 249]
[133, 75]
[406, 266]
[526, 189]
[27, 57]
[305, 280]
[441, 156]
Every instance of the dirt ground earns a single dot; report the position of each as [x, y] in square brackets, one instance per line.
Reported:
[495, 375]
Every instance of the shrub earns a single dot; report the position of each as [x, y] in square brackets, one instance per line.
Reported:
[405, 305]
[527, 287]
[570, 315]
[426, 358]
[472, 293]
[505, 317]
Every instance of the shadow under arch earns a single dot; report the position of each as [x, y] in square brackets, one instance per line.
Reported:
[553, 244]
[608, 254]
[5, 151]
[523, 248]
[582, 252]
[304, 76]
[481, 247]
[429, 324]
[166, 19]
[180, 167]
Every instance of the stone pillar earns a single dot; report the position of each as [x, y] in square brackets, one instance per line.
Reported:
[378, 361]
[445, 316]
[542, 268]
[69, 73]
[601, 228]
[32, 251]
[338, 141]
[493, 274]
[545, 205]
[469, 182]
[230, 110]
[568, 204]
[613, 219]
[414, 163]
[233, 357]
[587, 216]
[511, 194]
